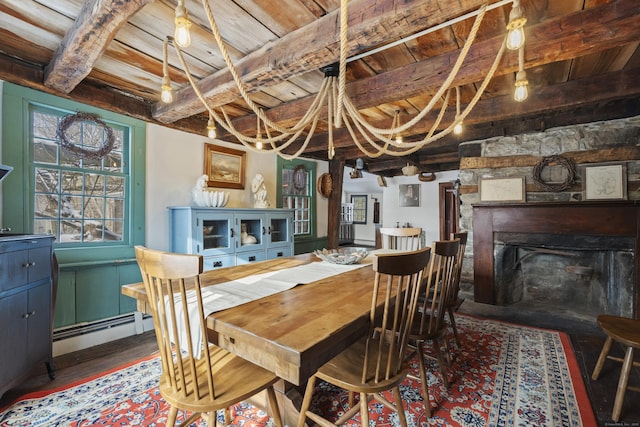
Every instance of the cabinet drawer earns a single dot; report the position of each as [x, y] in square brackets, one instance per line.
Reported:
[249, 257]
[279, 252]
[24, 266]
[215, 262]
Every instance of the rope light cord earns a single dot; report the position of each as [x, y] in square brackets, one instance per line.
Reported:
[340, 108]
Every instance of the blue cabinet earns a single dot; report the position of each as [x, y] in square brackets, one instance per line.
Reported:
[227, 237]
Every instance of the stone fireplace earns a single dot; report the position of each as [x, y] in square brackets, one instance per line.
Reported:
[577, 256]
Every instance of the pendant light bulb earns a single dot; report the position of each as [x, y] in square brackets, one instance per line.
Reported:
[259, 144]
[399, 139]
[166, 91]
[457, 129]
[522, 92]
[211, 128]
[515, 37]
[182, 35]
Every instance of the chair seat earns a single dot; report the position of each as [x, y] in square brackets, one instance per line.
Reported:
[228, 390]
[625, 331]
[622, 329]
[345, 370]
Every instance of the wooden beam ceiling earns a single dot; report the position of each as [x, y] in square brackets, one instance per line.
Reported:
[82, 46]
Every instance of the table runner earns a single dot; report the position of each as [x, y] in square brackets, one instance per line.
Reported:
[235, 292]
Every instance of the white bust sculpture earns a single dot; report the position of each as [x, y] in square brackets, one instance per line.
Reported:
[259, 191]
[198, 191]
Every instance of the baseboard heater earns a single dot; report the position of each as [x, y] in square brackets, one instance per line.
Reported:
[89, 327]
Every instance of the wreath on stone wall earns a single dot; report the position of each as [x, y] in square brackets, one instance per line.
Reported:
[97, 153]
[568, 164]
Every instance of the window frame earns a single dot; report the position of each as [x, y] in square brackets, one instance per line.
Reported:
[18, 188]
[310, 167]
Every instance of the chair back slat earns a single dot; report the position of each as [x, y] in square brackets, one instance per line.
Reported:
[455, 289]
[403, 239]
[394, 303]
[171, 282]
[440, 276]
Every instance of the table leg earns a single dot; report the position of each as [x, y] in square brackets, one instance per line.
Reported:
[290, 401]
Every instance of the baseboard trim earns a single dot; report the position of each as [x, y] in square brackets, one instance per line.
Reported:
[91, 339]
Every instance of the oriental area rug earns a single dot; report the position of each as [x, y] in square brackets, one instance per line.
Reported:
[503, 375]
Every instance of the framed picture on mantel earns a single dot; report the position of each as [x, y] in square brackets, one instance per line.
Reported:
[502, 189]
[605, 182]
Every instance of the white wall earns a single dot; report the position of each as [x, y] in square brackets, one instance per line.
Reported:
[427, 215]
[175, 160]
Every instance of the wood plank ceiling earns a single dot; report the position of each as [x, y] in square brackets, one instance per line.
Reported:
[581, 57]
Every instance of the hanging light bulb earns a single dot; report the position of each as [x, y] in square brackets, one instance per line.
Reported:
[211, 128]
[166, 92]
[457, 129]
[259, 144]
[396, 124]
[182, 36]
[522, 92]
[515, 37]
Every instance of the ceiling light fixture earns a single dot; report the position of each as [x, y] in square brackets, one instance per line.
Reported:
[515, 36]
[333, 99]
[182, 34]
[457, 129]
[522, 91]
[211, 128]
[166, 92]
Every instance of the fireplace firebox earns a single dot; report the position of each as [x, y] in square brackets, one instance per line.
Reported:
[582, 253]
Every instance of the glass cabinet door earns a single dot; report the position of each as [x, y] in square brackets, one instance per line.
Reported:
[252, 229]
[279, 229]
[216, 234]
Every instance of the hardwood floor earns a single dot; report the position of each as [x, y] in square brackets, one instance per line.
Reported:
[586, 339]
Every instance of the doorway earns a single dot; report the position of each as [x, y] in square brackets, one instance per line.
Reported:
[449, 200]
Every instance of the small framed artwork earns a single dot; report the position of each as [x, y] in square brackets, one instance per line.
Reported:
[359, 209]
[409, 195]
[502, 189]
[225, 167]
[605, 182]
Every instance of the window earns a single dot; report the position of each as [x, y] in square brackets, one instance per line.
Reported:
[359, 209]
[83, 201]
[78, 199]
[297, 192]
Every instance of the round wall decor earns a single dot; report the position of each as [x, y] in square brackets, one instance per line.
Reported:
[565, 162]
[325, 184]
[98, 153]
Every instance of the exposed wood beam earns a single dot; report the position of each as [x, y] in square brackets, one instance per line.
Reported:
[619, 84]
[93, 30]
[554, 40]
[371, 23]
[20, 73]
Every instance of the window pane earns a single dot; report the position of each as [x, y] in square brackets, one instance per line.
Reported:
[78, 198]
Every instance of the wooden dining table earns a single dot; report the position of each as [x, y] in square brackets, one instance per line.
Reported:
[291, 333]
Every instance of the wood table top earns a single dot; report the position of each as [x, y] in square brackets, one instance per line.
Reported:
[291, 333]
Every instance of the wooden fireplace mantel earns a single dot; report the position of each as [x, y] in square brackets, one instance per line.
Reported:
[577, 218]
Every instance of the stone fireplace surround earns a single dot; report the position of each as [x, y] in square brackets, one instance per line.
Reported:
[603, 236]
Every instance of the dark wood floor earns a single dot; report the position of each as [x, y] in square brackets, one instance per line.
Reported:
[585, 337]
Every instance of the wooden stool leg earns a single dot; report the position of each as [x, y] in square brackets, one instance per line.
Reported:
[622, 384]
[603, 356]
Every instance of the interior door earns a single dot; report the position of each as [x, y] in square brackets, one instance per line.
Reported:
[449, 209]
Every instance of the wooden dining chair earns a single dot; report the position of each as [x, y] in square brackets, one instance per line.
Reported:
[200, 379]
[454, 301]
[376, 362]
[627, 332]
[428, 325]
[403, 239]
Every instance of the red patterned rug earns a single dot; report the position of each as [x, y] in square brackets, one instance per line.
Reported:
[504, 375]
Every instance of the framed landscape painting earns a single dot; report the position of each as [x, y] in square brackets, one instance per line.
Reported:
[225, 167]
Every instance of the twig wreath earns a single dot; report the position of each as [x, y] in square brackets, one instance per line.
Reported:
[98, 153]
[567, 163]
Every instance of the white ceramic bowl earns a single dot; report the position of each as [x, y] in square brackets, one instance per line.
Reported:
[342, 256]
[213, 199]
